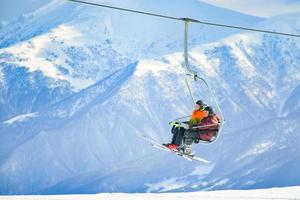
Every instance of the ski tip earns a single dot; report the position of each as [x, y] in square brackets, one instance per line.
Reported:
[200, 160]
[205, 161]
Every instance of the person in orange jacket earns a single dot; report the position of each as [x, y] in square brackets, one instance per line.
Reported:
[198, 114]
[178, 131]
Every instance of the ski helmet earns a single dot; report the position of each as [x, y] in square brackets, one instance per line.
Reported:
[200, 103]
[210, 110]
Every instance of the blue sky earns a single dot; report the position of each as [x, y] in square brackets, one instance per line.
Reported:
[10, 9]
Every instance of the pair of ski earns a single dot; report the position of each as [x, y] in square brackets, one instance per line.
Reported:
[160, 146]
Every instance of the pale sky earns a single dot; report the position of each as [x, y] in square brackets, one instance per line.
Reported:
[262, 8]
[10, 9]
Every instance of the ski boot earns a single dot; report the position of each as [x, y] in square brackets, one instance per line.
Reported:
[173, 147]
[188, 150]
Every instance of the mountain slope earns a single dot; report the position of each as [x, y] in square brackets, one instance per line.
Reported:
[72, 46]
[86, 138]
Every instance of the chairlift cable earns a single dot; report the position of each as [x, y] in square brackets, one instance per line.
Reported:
[187, 19]
[125, 9]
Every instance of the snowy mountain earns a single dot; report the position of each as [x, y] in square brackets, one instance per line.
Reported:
[75, 95]
[70, 46]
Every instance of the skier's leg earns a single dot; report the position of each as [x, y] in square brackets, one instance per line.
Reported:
[175, 131]
[179, 136]
[189, 137]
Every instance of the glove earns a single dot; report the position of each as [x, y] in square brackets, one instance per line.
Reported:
[178, 124]
[175, 124]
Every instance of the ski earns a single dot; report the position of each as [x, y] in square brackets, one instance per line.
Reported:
[160, 146]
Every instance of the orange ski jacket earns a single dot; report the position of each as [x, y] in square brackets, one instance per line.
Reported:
[197, 117]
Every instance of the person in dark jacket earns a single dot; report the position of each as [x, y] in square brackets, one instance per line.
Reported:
[206, 130]
[209, 126]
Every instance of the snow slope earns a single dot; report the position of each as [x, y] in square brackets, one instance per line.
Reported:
[273, 193]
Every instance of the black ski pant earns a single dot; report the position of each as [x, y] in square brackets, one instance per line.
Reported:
[181, 134]
[178, 133]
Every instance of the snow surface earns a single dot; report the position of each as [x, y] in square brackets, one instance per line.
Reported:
[288, 193]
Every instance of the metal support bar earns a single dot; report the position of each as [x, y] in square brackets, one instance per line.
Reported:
[186, 60]
[215, 101]
[190, 91]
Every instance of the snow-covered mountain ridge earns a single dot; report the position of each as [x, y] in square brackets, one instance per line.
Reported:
[72, 46]
[86, 140]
